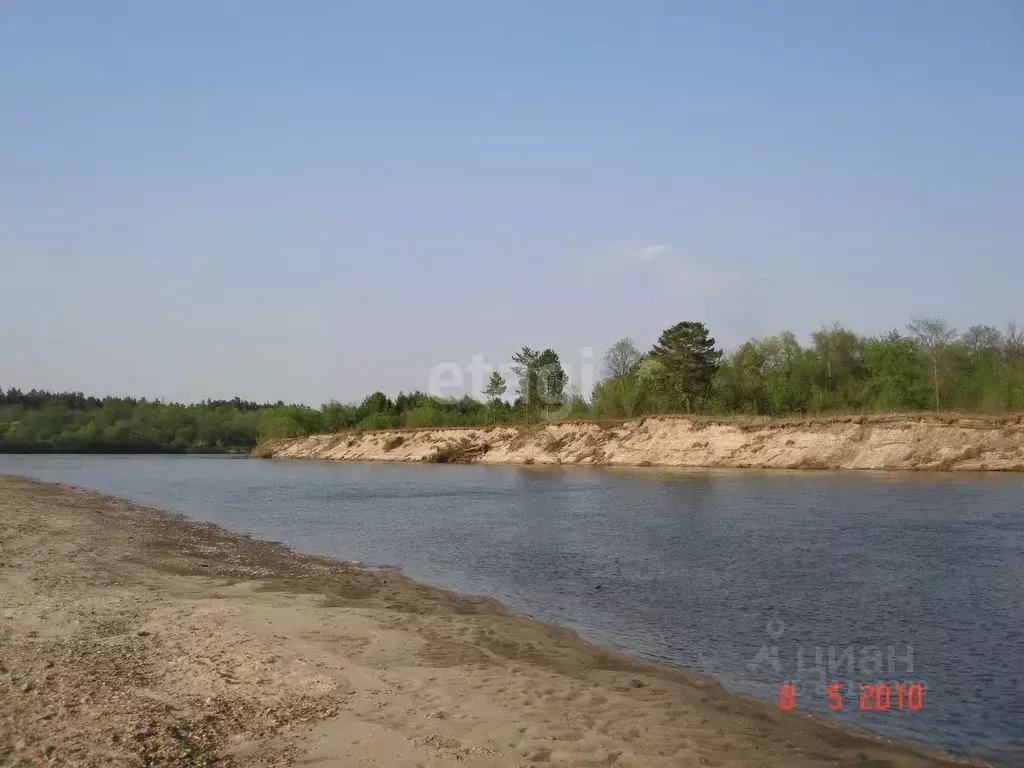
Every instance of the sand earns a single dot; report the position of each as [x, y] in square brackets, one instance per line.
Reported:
[130, 637]
[895, 442]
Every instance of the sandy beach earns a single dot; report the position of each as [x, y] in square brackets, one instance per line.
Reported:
[130, 637]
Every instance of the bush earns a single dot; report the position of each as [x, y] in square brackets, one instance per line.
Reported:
[393, 442]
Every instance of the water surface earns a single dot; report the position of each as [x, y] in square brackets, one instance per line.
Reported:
[748, 576]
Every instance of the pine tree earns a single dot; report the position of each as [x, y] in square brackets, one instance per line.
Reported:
[495, 386]
[688, 360]
[526, 369]
[551, 379]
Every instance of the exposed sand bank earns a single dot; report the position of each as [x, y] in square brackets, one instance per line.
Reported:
[900, 442]
[129, 637]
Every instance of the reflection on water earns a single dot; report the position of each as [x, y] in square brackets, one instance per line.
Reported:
[685, 567]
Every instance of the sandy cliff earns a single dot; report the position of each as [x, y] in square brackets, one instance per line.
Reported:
[919, 442]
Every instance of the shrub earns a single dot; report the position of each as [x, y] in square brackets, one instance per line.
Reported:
[462, 452]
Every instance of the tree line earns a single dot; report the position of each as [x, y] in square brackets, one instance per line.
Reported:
[39, 421]
[928, 367]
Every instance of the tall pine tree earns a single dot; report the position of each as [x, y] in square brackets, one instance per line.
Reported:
[525, 364]
[689, 361]
[551, 380]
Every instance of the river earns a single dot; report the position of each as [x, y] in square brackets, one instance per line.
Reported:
[757, 578]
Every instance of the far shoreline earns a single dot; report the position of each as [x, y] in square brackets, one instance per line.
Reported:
[899, 442]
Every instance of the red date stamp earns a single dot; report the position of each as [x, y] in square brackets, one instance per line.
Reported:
[872, 696]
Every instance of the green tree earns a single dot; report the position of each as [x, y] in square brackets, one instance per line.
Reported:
[495, 386]
[376, 403]
[786, 373]
[934, 335]
[618, 393]
[840, 359]
[1012, 351]
[577, 406]
[337, 416]
[895, 380]
[982, 337]
[525, 365]
[551, 381]
[650, 395]
[688, 360]
[739, 384]
[621, 358]
[619, 397]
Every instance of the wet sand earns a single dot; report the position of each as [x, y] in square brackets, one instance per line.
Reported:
[130, 637]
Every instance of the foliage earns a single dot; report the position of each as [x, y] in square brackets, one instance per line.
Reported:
[621, 358]
[551, 379]
[40, 421]
[982, 370]
[689, 361]
[542, 381]
[393, 442]
[526, 367]
[495, 386]
[839, 371]
[934, 335]
[896, 376]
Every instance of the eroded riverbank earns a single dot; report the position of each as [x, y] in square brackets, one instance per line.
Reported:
[900, 442]
[131, 637]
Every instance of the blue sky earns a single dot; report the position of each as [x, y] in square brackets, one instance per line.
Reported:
[310, 200]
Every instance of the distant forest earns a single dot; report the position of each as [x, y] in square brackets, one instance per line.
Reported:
[928, 367]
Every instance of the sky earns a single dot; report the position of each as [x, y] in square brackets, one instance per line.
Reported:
[314, 200]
